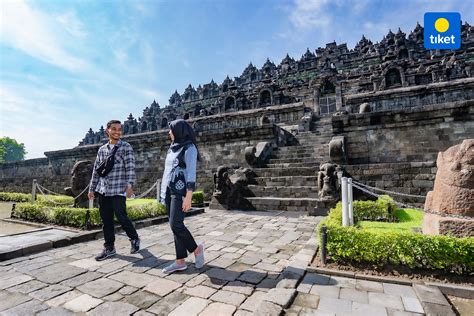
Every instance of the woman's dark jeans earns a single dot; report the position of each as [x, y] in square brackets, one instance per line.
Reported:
[183, 240]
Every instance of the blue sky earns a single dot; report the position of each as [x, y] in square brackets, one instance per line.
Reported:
[66, 66]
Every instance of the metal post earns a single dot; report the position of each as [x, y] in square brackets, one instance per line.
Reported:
[33, 192]
[350, 197]
[323, 243]
[345, 206]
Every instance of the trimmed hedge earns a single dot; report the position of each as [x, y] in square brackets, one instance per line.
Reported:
[75, 217]
[49, 200]
[414, 250]
[198, 198]
[372, 210]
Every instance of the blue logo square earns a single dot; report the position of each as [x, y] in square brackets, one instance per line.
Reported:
[442, 30]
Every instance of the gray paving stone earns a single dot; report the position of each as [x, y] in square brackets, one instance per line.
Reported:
[56, 273]
[28, 308]
[137, 280]
[127, 290]
[354, 295]
[239, 287]
[239, 267]
[200, 291]
[82, 278]
[114, 297]
[14, 280]
[192, 306]
[9, 300]
[100, 287]
[61, 299]
[216, 273]
[253, 277]
[385, 300]
[369, 286]
[412, 305]
[167, 304]
[220, 309]
[27, 287]
[268, 267]
[282, 297]
[325, 290]
[342, 282]
[430, 294]
[49, 292]
[267, 284]
[113, 308]
[315, 312]
[142, 313]
[397, 289]
[306, 300]
[162, 287]
[268, 309]
[228, 297]
[214, 283]
[55, 311]
[221, 262]
[82, 303]
[437, 309]
[250, 260]
[241, 312]
[142, 299]
[334, 305]
[366, 309]
[253, 301]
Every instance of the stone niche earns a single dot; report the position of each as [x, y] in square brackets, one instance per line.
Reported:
[453, 193]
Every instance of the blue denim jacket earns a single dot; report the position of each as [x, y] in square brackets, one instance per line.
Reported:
[190, 158]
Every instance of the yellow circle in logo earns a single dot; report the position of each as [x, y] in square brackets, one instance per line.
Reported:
[441, 25]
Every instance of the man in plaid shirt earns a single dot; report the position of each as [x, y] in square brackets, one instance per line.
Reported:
[114, 188]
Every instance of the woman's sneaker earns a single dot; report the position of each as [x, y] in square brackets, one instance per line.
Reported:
[135, 245]
[106, 253]
[174, 267]
[199, 262]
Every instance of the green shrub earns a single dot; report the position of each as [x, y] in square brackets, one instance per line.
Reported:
[414, 250]
[198, 198]
[15, 197]
[383, 207]
[75, 217]
[55, 200]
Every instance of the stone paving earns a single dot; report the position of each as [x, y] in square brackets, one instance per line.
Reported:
[256, 264]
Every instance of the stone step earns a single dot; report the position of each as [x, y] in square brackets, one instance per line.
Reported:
[283, 204]
[284, 191]
[312, 160]
[281, 172]
[292, 165]
[300, 148]
[296, 156]
[288, 181]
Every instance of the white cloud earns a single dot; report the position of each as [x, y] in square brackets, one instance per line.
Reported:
[37, 35]
[310, 13]
[72, 24]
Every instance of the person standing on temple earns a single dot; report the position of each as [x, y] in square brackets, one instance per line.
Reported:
[113, 178]
[177, 186]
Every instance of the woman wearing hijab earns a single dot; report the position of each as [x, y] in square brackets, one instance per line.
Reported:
[176, 194]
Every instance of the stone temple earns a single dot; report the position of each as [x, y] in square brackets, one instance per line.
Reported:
[391, 106]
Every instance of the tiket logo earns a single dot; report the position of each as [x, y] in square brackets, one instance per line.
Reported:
[442, 30]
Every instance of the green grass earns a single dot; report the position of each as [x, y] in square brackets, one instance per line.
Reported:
[132, 202]
[409, 218]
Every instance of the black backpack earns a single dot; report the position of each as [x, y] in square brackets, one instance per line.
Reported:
[104, 168]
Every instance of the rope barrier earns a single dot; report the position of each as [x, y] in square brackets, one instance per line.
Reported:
[147, 191]
[401, 204]
[388, 191]
[48, 199]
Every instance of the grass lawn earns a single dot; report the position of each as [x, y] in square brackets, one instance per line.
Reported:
[408, 218]
[132, 202]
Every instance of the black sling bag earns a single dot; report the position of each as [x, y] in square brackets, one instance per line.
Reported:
[104, 168]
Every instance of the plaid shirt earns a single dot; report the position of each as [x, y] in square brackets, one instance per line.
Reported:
[121, 175]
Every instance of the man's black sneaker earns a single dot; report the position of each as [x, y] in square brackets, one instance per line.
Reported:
[135, 245]
[106, 253]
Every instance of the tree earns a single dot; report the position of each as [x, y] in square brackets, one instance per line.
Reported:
[11, 150]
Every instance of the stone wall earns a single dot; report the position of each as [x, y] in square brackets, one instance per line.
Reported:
[216, 148]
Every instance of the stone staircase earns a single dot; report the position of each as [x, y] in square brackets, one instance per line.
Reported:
[289, 180]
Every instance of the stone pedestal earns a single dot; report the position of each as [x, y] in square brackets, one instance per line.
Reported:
[322, 207]
[447, 225]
